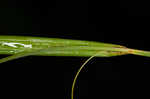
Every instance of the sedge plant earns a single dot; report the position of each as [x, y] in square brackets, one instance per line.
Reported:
[21, 46]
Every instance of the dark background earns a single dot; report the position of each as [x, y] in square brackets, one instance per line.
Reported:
[123, 22]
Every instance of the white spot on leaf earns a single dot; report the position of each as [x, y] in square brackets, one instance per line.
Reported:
[15, 45]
